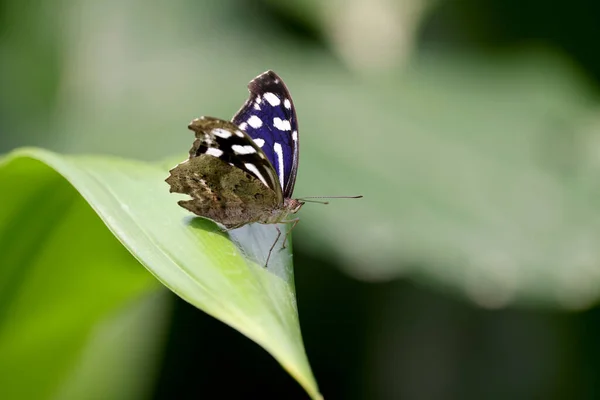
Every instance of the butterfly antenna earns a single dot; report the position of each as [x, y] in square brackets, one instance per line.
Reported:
[309, 198]
[332, 197]
[314, 201]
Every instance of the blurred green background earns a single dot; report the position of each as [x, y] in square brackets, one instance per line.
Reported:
[471, 269]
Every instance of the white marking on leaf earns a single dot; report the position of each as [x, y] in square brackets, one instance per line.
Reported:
[247, 149]
[211, 151]
[222, 133]
[287, 104]
[272, 99]
[252, 168]
[282, 124]
[279, 151]
[255, 122]
[259, 142]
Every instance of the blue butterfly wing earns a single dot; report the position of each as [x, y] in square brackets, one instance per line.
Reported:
[269, 117]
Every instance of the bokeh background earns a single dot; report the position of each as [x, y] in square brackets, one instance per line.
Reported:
[470, 270]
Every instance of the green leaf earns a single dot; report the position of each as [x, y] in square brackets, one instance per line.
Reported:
[62, 276]
[187, 254]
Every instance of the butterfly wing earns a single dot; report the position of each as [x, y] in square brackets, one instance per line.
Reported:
[269, 117]
[226, 141]
[222, 192]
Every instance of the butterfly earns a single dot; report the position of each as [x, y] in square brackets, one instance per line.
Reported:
[244, 170]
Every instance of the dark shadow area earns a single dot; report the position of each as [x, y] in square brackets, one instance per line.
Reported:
[570, 27]
[283, 21]
[207, 359]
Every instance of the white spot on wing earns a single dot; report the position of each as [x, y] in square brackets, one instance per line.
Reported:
[287, 104]
[222, 133]
[252, 168]
[259, 142]
[272, 99]
[282, 124]
[295, 136]
[255, 122]
[257, 103]
[238, 149]
[243, 127]
[214, 152]
[279, 151]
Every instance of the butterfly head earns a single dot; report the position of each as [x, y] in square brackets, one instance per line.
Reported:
[281, 214]
[293, 205]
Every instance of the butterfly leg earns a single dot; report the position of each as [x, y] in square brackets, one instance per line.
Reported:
[273, 246]
[295, 221]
